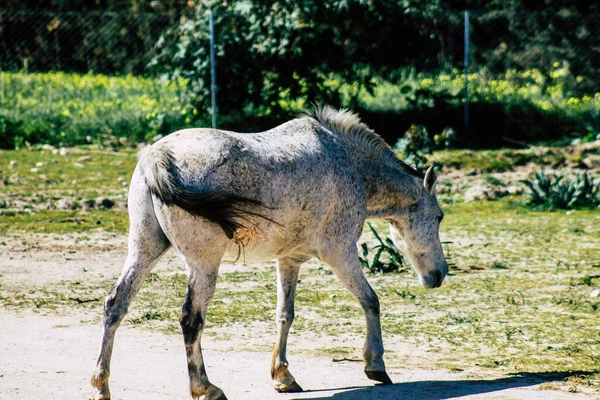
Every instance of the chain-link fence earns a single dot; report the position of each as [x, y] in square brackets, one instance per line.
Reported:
[110, 42]
[101, 42]
[529, 74]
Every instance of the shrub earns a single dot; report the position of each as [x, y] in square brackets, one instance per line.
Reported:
[555, 191]
[68, 109]
[386, 256]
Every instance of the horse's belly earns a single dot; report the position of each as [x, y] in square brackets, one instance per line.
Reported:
[247, 253]
[263, 251]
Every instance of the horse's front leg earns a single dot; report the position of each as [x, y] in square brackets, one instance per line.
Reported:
[346, 265]
[201, 287]
[287, 277]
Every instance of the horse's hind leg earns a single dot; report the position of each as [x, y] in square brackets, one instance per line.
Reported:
[201, 287]
[346, 265]
[147, 243]
[287, 278]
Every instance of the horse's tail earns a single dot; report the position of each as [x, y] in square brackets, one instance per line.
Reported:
[224, 209]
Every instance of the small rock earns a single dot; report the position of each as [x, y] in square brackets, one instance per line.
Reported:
[12, 163]
[43, 177]
[88, 139]
[63, 152]
[157, 138]
[595, 293]
[104, 202]
[123, 141]
[124, 183]
[120, 162]
[55, 151]
[48, 147]
[84, 159]
[66, 203]
[120, 179]
[34, 170]
[78, 165]
[40, 164]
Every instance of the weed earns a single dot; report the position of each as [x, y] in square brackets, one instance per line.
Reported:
[393, 261]
[454, 319]
[492, 180]
[498, 265]
[554, 191]
[510, 332]
[405, 294]
[515, 299]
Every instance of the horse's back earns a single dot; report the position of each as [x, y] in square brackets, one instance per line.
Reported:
[260, 164]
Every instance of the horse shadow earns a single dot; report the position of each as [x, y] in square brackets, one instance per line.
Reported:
[436, 390]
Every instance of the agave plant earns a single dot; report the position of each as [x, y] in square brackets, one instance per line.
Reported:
[555, 190]
[386, 257]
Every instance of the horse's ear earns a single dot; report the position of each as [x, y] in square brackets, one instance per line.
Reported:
[430, 179]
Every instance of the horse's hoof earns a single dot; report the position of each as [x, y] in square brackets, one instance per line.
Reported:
[379, 376]
[291, 388]
[213, 393]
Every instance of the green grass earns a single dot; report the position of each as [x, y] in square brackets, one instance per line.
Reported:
[58, 107]
[64, 221]
[497, 160]
[105, 174]
[516, 299]
[59, 175]
[68, 109]
[544, 90]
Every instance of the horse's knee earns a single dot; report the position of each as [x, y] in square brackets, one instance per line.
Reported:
[113, 310]
[285, 316]
[371, 304]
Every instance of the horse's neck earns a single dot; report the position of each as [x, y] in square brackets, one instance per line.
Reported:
[387, 188]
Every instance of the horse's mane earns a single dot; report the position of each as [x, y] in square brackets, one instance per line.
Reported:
[348, 125]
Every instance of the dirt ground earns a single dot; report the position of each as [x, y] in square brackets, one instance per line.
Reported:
[51, 355]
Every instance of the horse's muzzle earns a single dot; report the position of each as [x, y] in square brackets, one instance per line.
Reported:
[433, 280]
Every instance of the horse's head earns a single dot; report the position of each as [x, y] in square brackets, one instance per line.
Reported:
[415, 231]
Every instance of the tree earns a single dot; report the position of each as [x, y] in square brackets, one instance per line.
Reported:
[268, 47]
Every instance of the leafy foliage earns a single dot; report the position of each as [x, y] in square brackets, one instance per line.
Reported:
[417, 143]
[270, 50]
[386, 257]
[68, 109]
[550, 190]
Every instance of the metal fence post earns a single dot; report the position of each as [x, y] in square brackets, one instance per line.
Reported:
[466, 64]
[213, 71]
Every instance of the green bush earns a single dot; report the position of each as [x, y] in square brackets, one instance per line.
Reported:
[523, 105]
[555, 191]
[69, 109]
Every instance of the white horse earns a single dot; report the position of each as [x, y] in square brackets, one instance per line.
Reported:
[298, 191]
